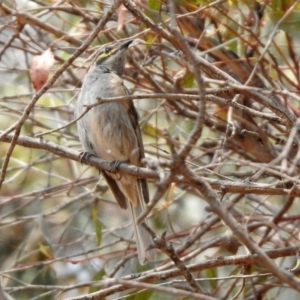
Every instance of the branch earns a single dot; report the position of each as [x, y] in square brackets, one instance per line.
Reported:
[158, 274]
[226, 186]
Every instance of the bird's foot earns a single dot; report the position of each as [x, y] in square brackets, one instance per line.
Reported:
[85, 155]
[115, 164]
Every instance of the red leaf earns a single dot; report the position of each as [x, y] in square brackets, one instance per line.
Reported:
[40, 68]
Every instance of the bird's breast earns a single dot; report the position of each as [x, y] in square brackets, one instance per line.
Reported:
[111, 132]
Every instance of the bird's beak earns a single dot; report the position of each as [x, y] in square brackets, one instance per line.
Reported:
[125, 44]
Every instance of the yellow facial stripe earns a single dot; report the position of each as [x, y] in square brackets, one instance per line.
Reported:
[106, 52]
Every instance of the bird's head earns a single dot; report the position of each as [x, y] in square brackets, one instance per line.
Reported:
[113, 57]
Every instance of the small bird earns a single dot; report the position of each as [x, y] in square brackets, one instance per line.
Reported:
[111, 132]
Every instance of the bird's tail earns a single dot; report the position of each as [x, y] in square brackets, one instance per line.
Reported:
[137, 195]
[143, 238]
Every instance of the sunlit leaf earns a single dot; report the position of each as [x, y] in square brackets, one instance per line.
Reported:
[151, 130]
[46, 251]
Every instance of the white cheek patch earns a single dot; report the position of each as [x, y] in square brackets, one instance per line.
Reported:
[108, 151]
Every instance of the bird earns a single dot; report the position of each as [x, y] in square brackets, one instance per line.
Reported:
[111, 132]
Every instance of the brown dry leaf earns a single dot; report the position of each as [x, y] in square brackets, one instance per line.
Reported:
[121, 16]
[40, 68]
[122, 13]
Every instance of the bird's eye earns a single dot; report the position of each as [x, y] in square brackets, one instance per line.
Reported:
[106, 50]
[104, 53]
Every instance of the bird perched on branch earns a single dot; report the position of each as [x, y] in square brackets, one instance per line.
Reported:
[111, 132]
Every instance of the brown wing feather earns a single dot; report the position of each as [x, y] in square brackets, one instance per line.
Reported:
[134, 117]
[115, 190]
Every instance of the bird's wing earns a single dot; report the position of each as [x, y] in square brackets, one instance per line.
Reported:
[134, 117]
[119, 196]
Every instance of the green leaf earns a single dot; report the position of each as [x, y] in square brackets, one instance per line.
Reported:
[97, 276]
[45, 250]
[154, 5]
[144, 295]
[153, 131]
[212, 273]
[44, 275]
[97, 225]
[188, 80]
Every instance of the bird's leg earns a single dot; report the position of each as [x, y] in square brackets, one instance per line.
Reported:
[115, 164]
[85, 155]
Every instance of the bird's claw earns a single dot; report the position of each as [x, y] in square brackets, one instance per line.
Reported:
[115, 164]
[85, 155]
